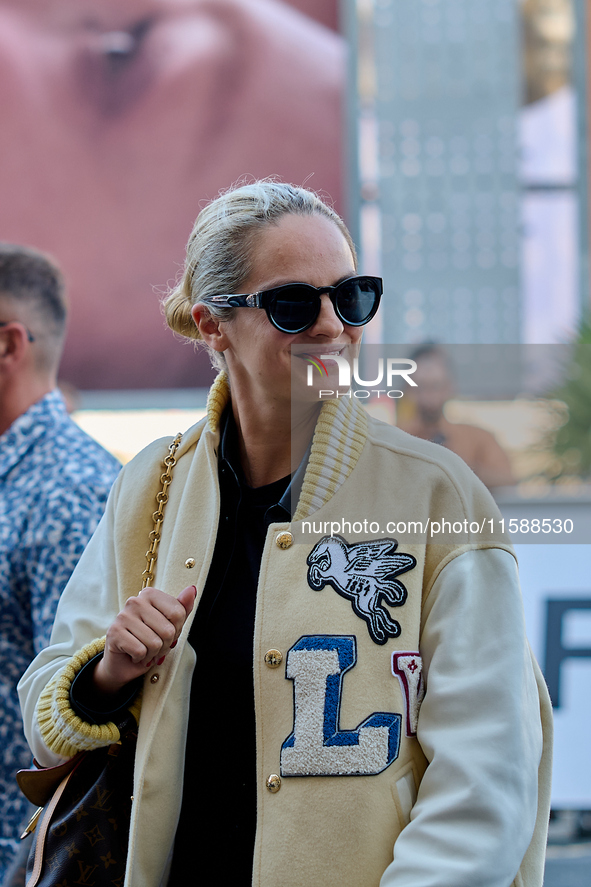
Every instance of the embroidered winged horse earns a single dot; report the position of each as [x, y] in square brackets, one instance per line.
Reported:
[363, 572]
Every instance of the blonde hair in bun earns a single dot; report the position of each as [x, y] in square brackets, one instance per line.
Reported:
[219, 248]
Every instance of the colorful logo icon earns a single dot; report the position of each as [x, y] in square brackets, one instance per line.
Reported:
[312, 362]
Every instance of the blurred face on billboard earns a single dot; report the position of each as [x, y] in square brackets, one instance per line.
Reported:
[124, 119]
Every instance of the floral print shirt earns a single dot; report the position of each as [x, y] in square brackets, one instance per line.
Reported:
[54, 483]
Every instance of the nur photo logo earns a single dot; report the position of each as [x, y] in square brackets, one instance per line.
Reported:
[388, 370]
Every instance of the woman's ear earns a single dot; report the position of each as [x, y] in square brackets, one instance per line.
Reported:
[210, 328]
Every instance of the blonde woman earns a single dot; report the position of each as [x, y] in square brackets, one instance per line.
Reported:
[294, 730]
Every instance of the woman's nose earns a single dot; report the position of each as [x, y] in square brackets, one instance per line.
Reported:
[327, 323]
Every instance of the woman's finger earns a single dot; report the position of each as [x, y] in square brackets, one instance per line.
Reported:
[139, 640]
[145, 630]
[187, 598]
[137, 619]
[175, 610]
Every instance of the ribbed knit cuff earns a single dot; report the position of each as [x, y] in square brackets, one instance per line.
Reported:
[61, 729]
[84, 702]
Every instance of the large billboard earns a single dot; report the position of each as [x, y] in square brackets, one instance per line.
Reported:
[120, 119]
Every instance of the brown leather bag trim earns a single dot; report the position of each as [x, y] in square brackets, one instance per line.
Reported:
[39, 783]
[43, 826]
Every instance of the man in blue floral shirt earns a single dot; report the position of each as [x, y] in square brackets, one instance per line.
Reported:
[54, 482]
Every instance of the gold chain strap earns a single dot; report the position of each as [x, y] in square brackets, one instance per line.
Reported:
[158, 516]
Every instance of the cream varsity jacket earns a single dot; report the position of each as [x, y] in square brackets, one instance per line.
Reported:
[402, 724]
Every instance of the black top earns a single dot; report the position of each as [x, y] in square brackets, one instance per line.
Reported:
[218, 817]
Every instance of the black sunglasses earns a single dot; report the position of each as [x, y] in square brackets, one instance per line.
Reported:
[294, 307]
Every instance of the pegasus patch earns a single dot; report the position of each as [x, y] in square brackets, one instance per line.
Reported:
[363, 572]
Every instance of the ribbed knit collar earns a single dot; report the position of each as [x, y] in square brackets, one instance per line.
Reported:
[218, 397]
[339, 437]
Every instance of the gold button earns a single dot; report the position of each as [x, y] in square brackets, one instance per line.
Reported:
[190, 563]
[273, 783]
[155, 678]
[284, 540]
[273, 658]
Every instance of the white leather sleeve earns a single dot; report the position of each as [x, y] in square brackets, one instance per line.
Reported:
[479, 727]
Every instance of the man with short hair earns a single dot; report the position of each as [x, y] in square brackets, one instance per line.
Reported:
[54, 482]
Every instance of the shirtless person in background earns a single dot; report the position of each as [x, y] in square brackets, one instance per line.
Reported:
[476, 446]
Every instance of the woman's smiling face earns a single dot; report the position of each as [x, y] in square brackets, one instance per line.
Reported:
[305, 249]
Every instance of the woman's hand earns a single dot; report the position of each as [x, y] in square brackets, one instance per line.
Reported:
[145, 630]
